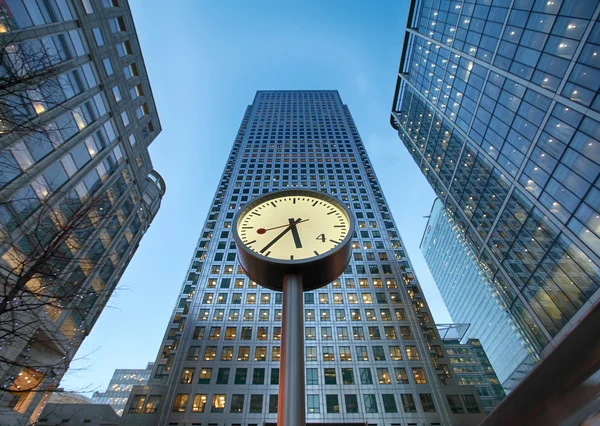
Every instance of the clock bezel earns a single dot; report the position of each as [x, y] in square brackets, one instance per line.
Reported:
[316, 271]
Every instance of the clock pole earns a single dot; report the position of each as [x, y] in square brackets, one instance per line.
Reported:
[276, 269]
[291, 411]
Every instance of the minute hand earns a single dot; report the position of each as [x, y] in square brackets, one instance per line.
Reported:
[277, 238]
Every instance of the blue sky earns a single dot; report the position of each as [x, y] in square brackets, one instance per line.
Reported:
[205, 62]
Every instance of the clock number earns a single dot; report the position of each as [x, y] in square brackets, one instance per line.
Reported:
[321, 237]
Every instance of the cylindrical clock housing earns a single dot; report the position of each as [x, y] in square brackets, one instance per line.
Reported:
[311, 211]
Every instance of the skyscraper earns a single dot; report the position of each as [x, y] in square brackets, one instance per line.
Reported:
[77, 187]
[373, 353]
[470, 297]
[120, 386]
[498, 105]
[470, 364]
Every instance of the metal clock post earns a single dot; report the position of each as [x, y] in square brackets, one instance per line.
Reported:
[310, 248]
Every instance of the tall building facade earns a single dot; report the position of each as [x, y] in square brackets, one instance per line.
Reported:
[471, 299]
[471, 365]
[372, 351]
[120, 386]
[77, 187]
[498, 105]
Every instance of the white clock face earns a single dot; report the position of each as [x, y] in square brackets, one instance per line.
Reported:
[293, 227]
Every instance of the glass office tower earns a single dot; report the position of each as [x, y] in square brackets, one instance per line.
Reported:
[119, 387]
[77, 186]
[497, 103]
[470, 297]
[373, 354]
[471, 365]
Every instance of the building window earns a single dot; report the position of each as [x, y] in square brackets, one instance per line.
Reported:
[471, 404]
[152, 404]
[330, 377]
[312, 376]
[365, 376]
[389, 403]
[351, 403]
[370, 403]
[328, 354]
[87, 6]
[411, 353]
[378, 353]
[199, 403]
[345, 354]
[260, 353]
[230, 333]
[223, 376]
[406, 333]
[419, 376]
[258, 376]
[359, 333]
[137, 403]
[361, 353]
[256, 402]
[333, 404]
[311, 353]
[107, 66]
[187, 376]
[234, 314]
[401, 376]
[273, 401]
[348, 376]
[218, 404]
[237, 404]
[210, 353]
[395, 353]
[342, 333]
[383, 376]
[312, 404]
[180, 402]
[240, 376]
[262, 333]
[215, 333]
[263, 315]
[227, 354]
[125, 118]
[427, 402]
[276, 353]
[408, 402]
[246, 333]
[374, 333]
[205, 376]
[390, 333]
[309, 315]
[243, 353]
[274, 376]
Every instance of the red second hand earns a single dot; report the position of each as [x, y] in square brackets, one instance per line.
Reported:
[263, 230]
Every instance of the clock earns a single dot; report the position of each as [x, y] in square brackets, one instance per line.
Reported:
[296, 231]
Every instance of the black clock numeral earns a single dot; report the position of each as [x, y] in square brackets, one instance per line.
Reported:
[321, 237]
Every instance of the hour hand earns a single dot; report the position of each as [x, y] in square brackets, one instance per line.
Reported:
[295, 233]
[278, 237]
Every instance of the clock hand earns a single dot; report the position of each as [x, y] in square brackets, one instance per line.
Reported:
[295, 233]
[263, 230]
[278, 237]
